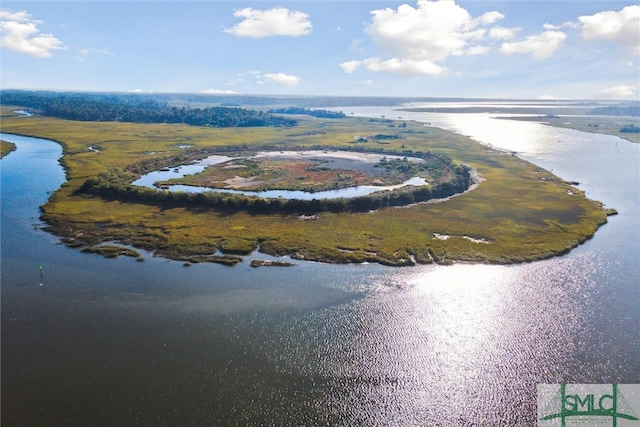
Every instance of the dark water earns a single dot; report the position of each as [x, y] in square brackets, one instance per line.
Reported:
[117, 342]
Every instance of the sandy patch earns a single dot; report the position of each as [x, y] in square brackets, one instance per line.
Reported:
[347, 155]
[481, 240]
[239, 182]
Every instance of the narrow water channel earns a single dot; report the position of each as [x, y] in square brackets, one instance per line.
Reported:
[150, 179]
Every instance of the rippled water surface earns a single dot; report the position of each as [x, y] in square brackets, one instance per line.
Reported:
[116, 342]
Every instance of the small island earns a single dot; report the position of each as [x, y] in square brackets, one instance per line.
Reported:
[113, 251]
[471, 204]
[255, 263]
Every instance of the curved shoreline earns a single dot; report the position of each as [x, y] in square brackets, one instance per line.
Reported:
[110, 187]
[7, 148]
[347, 237]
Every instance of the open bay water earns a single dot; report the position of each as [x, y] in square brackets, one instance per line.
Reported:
[117, 342]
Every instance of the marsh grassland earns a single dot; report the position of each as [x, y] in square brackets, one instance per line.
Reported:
[518, 213]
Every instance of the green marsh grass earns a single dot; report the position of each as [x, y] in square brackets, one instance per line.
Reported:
[523, 212]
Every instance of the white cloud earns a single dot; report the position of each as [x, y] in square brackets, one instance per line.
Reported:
[278, 21]
[416, 39]
[619, 91]
[622, 26]
[350, 66]
[567, 24]
[477, 50]
[395, 65]
[135, 91]
[281, 78]
[490, 18]
[219, 91]
[434, 30]
[20, 32]
[503, 33]
[540, 46]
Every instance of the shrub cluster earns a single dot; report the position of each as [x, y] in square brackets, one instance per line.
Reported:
[325, 114]
[631, 109]
[630, 129]
[115, 184]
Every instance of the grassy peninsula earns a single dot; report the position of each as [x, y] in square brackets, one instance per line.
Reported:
[519, 212]
[6, 148]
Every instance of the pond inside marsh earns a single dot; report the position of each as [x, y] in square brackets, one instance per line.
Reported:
[332, 159]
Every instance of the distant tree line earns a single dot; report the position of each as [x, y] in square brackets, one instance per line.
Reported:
[115, 185]
[325, 114]
[303, 101]
[137, 109]
[632, 110]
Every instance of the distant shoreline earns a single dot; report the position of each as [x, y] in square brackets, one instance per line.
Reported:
[571, 117]
[605, 125]
[492, 109]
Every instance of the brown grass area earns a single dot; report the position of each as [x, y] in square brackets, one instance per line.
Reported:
[276, 174]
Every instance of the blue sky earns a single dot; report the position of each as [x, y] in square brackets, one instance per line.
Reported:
[465, 48]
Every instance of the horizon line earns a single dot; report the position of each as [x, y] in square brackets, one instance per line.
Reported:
[280, 95]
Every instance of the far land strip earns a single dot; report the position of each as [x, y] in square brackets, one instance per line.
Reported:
[625, 125]
[518, 213]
